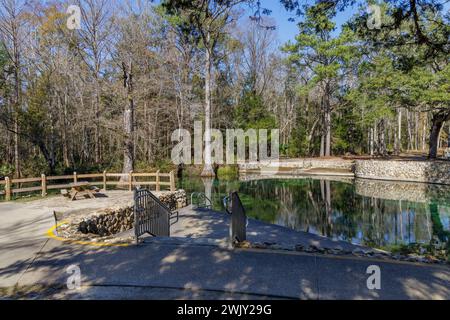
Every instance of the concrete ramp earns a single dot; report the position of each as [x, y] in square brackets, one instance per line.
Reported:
[202, 224]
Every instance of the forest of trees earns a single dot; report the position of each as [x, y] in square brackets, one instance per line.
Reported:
[109, 95]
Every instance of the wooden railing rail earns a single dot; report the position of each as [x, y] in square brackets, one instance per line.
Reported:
[9, 186]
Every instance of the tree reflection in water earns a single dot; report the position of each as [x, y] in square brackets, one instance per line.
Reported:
[334, 209]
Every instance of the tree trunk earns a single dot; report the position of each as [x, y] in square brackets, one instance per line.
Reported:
[64, 131]
[311, 134]
[416, 129]
[424, 131]
[327, 121]
[328, 132]
[398, 145]
[128, 121]
[376, 142]
[322, 142]
[208, 169]
[16, 146]
[17, 104]
[382, 138]
[437, 122]
[49, 158]
[410, 137]
[97, 121]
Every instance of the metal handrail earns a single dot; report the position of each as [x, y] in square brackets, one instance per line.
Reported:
[239, 221]
[150, 215]
[206, 201]
[227, 204]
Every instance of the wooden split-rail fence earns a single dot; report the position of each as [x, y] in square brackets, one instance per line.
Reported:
[159, 180]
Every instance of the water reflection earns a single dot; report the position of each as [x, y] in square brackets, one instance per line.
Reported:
[366, 212]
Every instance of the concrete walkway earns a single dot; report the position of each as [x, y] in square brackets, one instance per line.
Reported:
[187, 271]
[23, 226]
[207, 224]
[163, 268]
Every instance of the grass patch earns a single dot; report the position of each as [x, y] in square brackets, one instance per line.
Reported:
[228, 172]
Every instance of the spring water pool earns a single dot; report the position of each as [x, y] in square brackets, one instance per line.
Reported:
[374, 213]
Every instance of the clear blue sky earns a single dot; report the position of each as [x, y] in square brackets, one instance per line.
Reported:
[287, 30]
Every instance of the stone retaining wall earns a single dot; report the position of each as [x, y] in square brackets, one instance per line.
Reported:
[258, 177]
[437, 172]
[405, 191]
[306, 163]
[110, 221]
[403, 170]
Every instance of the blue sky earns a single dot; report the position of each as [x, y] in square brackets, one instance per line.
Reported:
[287, 30]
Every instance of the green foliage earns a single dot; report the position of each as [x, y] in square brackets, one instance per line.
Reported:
[325, 58]
[383, 88]
[251, 113]
[348, 133]
[34, 167]
[164, 165]
[6, 170]
[3, 72]
[317, 50]
[227, 172]
[298, 144]
[34, 119]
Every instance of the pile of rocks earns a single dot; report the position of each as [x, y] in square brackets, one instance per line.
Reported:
[108, 222]
[174, 200]
[358, 252]
[111, 221]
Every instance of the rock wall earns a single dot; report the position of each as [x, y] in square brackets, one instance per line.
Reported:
[174, 200]
[302, 163]
[404, 170]
[405, 191]
[110, 221]
[258, 176]
[437, 172]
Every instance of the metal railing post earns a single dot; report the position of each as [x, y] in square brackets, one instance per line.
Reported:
[238, 226]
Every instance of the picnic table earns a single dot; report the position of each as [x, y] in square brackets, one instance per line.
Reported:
[82, 188]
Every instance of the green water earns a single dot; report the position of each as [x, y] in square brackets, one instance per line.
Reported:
[377, 214]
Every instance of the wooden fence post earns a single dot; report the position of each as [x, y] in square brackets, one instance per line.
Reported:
[75, 178]
[104, 180]
[172, 181]
[158, 187]
[7, 189]
[43, 185]
[130, 183]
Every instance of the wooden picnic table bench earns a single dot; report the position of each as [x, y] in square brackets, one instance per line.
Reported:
[82, 188]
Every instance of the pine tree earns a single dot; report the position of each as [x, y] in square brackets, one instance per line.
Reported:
[324, 56]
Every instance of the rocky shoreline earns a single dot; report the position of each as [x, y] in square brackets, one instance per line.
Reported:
[359, 252]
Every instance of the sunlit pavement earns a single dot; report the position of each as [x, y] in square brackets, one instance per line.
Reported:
[163, 269]
[194, 269]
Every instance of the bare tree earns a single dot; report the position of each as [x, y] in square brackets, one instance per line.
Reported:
[12, 38]
[94, 35]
